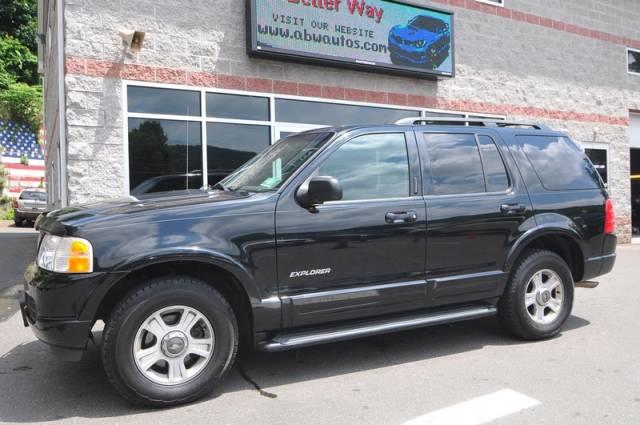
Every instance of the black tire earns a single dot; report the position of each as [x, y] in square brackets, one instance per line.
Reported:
[121, 328]
[513, 313]
[17, 222]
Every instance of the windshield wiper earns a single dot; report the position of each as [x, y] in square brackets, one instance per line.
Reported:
[222, 187]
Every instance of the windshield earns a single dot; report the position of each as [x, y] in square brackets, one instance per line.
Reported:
[269, 169]
[428, 23]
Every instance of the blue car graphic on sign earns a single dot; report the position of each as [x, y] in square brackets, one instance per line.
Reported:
[425, 42]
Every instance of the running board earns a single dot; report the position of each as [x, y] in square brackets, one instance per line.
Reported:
[298, 339]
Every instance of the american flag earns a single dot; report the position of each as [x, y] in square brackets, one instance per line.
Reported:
[18, 141]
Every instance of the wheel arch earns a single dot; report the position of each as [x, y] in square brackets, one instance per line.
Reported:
[209, 271]
[562, 241]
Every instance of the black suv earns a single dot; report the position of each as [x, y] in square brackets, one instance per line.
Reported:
[330, 234]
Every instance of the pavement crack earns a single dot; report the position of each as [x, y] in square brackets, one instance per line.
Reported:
[255, 385]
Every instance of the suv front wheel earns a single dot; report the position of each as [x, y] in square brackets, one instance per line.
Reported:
[170, 341]
[539, 296]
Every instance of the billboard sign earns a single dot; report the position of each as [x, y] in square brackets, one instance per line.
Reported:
[379, 35]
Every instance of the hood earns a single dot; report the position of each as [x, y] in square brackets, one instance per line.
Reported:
[409, 33]
[64, 220]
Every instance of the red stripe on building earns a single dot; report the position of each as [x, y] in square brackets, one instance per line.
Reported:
[516, 15]
[106, 69]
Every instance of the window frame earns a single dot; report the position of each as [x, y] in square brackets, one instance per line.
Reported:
[492, 2]
[627, 51]
[272, 123]
[428, 175]
[601, 147]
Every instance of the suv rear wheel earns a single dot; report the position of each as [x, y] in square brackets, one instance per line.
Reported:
[169, 342]
[539, 296]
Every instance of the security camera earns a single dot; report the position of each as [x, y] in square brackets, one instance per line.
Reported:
[133, 39]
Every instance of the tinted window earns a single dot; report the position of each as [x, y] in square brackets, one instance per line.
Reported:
[559, 163]
[237, 107]
[164, 148]
[455, 164]
[299, 111]
[231, 145]
[150, 100]
[494, 170]
[374, 166]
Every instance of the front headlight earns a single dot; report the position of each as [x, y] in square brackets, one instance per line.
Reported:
[65, 255]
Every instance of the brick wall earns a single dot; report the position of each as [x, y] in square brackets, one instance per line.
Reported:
[559, 62]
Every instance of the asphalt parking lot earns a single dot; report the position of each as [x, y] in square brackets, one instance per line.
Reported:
[467, 373]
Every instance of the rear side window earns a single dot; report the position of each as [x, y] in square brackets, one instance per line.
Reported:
[374, 166]
[494, 170]
[455, 164]
[559, 163]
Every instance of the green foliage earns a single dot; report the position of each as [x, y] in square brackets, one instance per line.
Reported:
[18, 61]
[20, 92]
[24, 160]
[18, 18]
[7, 214]
[22, 103]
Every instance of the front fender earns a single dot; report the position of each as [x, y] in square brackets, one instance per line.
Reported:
[225, 262]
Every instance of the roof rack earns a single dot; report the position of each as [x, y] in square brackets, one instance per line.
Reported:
[469, 121]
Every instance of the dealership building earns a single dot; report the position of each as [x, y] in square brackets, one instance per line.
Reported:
[145, 95]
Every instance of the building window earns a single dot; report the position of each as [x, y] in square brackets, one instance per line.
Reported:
[599, 157]
[300, 111]
[164, 155]
[633, 61]
[492, 2]
[176, 133]
[222, 105]
[151, 100]
[231, 145]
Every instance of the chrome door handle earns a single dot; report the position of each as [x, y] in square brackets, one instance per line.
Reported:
[513, 208]
[401, 217]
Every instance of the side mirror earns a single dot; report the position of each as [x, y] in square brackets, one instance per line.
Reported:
[320, 189]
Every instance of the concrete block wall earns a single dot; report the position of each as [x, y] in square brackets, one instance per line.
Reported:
[560, 62]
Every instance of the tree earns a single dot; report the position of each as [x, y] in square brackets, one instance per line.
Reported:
[20, 92]
[18, 18]
[22, 103]
[18, 61]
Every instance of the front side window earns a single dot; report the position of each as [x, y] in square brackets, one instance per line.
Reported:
[455, 164]
[374, 166]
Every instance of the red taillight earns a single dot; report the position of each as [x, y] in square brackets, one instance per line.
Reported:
[609, 218]
[14, 204]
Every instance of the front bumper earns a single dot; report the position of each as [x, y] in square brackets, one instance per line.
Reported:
[60, 309]
[66, 338]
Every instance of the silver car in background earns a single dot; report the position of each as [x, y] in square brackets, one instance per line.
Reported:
[29, 205]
